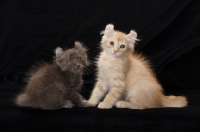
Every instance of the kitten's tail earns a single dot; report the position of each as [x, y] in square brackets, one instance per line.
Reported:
[174, 101]
[22, 99]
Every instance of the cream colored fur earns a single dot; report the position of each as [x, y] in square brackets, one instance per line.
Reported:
[126, 79]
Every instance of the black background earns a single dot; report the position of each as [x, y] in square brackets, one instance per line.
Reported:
[169, 33]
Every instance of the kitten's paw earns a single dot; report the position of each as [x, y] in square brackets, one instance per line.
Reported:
[68, 104]
[84, 103]
[91, 104]
[103, 105]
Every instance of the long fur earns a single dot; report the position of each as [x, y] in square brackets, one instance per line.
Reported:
[126, 78]
[57, 85]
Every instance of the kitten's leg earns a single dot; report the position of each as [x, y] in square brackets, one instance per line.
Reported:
[67, 104]
[78, 100]
[114, 95]
[98, 92]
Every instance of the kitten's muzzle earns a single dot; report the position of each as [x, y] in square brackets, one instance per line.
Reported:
[115, 51]
[78, 66]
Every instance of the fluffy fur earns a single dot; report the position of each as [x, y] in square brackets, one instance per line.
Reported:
[57, 85]
[125, 78]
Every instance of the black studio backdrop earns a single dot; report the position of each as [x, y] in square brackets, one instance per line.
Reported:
[169, 33]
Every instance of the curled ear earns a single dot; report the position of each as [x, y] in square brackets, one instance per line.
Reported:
[59, 52]
[79, 46]
[109, 30]
[131, 37]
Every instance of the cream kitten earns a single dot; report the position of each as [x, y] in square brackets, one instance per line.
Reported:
[126, 78]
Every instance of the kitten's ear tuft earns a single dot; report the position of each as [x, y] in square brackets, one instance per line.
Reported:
[78, 44]
[132, 36]
[109, 30]
[59, 52]
[109, 27]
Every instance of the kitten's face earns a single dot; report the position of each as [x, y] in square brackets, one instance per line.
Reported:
[116, 43]
[73, 60]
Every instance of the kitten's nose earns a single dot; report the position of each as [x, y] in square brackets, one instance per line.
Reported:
[78, 66]
[115, 51]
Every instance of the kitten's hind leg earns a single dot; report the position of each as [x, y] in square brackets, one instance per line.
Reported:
[125, 104]
[67, 104]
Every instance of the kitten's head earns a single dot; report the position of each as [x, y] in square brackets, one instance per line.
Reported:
[73, 60]
[116, 43]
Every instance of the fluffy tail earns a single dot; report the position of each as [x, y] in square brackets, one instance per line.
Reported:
[174, 101]
[22, 99]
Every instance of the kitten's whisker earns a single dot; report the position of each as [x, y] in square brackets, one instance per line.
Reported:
[85, 71]
[88, 70]
[97, 50]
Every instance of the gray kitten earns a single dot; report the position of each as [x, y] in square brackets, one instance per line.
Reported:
[57, 85]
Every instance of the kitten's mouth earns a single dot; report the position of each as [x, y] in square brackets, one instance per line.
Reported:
[79, 68]
[115, 54]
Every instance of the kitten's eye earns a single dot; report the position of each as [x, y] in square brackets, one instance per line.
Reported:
[80, 59]
[111, 43]
[122, 46]
[70, 62]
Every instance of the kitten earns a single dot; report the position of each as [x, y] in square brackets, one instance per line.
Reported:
[126, 78]
[53, 86]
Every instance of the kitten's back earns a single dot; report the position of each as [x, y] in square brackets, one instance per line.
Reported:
[44, 88]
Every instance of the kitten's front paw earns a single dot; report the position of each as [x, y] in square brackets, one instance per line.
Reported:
[84, 103]
[90, 104]
[103, 105]
[68, 104]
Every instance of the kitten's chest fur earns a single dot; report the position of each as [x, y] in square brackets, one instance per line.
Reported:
[110, 67]
[54, 74]
[71, 80]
